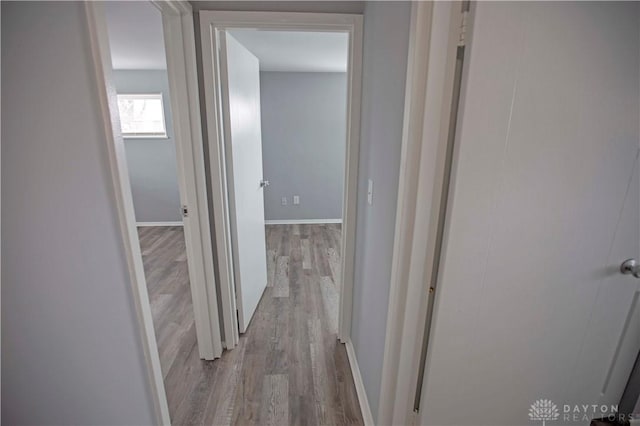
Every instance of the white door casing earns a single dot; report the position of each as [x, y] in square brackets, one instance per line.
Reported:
[543, 208]
[180, 50]
[212, 25]
[240, 75]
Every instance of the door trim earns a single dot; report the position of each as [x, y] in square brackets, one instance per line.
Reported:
[181, 69]
[179, 36]
[434, 36]
[367, 416]
[211, 22]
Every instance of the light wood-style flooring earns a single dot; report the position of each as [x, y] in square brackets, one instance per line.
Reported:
[289, 368]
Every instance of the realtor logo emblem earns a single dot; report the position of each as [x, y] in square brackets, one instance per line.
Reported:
[543, 410]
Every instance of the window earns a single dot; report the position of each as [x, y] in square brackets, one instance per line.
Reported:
[142, 116]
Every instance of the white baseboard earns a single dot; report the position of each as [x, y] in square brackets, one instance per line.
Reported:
[300, 221]
[357, 379]
[177, 223]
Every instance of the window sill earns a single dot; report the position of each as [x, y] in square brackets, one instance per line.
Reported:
[145, 137]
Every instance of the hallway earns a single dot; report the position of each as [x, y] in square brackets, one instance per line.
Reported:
[289, 367]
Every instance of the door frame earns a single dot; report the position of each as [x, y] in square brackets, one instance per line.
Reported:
[211, 22]
[434, 39]
[178, 29]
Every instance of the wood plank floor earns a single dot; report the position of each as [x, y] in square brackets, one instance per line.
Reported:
[288, 368]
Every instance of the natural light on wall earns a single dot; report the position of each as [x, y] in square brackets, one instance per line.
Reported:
[142, 116]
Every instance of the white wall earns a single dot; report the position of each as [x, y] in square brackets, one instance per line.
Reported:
[152, 163]
[71, 351]
[386, 41]
[304, 128]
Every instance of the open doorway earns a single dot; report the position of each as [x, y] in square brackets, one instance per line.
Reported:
[287, 153]
[144, 106]
[283, 147]
[142, 87]
[158, 168]
[282, 95]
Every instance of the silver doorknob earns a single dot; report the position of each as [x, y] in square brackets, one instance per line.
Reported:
[264, 183]
[630, 267]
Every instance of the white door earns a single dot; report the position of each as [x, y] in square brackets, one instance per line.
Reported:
[543, 210]
[241, 98]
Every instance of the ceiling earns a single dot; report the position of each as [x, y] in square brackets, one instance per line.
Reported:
[135, 35]
[296, 50]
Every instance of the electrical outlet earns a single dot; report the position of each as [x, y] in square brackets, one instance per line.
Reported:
[296, 200]
[284, 201]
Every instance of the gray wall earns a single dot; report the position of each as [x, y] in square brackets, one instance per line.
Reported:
[386, 40]
[71, 351]
[304, 127]
[152, 162]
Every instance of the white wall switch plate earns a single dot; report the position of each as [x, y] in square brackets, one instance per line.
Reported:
[284, 201]
[370, 192]
[296, 200]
